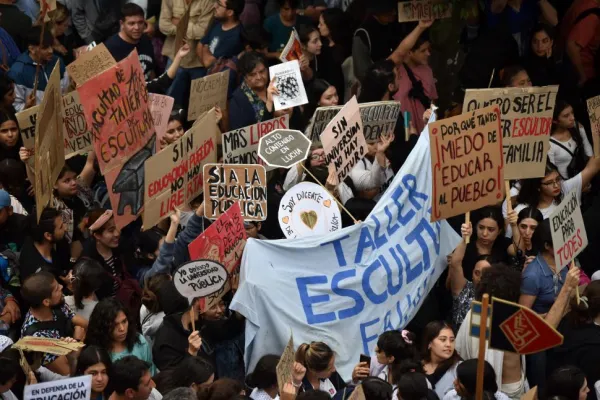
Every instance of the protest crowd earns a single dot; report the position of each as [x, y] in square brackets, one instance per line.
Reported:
[312, 199]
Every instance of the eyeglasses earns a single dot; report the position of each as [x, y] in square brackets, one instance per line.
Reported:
[555, 182]
[317, 157]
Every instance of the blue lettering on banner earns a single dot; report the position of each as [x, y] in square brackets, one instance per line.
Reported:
[395, 268]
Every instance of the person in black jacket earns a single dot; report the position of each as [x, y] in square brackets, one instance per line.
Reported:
[216, 338]
[581, 332]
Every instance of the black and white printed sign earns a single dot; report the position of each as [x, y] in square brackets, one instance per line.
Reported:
[288, 81]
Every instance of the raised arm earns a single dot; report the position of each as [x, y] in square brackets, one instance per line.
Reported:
[456, 275]
[409, 41]
[559, 308]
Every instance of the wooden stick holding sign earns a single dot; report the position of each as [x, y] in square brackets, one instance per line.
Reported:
[468, 221]
[332, 195]
[482, 339]
[43, 13]
[576, 287]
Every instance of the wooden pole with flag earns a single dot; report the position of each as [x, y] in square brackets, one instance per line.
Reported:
[483, 326]
[468, 221]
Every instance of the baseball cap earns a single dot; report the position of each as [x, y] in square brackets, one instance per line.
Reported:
[4, 199]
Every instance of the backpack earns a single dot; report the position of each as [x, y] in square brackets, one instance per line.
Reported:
[129, 294]
[62, 324]
[578, 159]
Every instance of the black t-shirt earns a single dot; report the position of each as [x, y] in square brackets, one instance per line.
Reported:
[30, 260]
[382, 40]
[499, 254]
[120, 49]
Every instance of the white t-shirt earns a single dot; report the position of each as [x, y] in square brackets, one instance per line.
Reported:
[566, 187]
[86, 311]
[561, 157]
[17, 206]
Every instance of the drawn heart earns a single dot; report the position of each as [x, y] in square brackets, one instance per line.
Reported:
[327, 203]
[309, 218]
[285, 220]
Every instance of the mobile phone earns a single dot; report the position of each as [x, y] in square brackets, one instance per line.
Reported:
[367, 359]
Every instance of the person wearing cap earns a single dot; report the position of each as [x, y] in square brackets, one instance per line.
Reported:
[377, 37]
[13, 227]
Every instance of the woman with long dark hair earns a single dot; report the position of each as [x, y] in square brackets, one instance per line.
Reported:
[10, 136]
[263, 380]
[541, 63]
[466, 382]
[151, 313]
[521, 250]
[568, 382]
[192, 372]
[569, 145]
[320, 93]
[95, 361]
[440, 358]
[110, 327]
[336, 37]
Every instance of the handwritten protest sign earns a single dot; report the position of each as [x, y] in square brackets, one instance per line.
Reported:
[526, 122]
[593, 106]
[117, 113]
[90, 64]
[307, 209]
[378, 118]
[285, 366]
[416, 10]
[208, 92]
[343, 140]
[466, 161]
[240, 146]
[49, 152]
[223, 241]
[293, 48]
[568, 231]
[283, 148]
[47, 345]
[160, 108]
[288, 81]
[226, 184]
[77, 137]
[199, 278]
[70, 388]
[174, 176]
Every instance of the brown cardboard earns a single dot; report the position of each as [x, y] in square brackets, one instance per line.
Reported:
[90, 63]
[285, 367]
[466, 162]
[208, 92]
[417, 10]
[226, 184]
[593, 106]
[526, 122]
[174, 175]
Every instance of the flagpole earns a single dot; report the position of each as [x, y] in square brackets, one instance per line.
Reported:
[482, 339]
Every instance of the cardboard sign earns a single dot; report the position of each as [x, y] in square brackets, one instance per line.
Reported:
[47, 345]
[519, 329]
[307, 210]
[293, 48]
[116, 109]
[569, 237]
[223, 240]
[199, 278]
[208, 92]
[593, 106]
[181, 30]
[378, 118]
[160, 108]
[49, 157]
[285, 366]
[288, 81]
[227, 184]
[358, 394]
[343, 140]
[70, 388]
[240, 146]
[90, 64]
[77, 137]
[526, 122]
[174, 176]
[416, 10]
[466, 161]
[283, 148]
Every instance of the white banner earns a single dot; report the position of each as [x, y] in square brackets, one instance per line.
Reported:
[347, 287]
[79, 388]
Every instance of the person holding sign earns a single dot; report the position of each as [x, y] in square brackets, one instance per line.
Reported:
[252, 101]
[523, 226]
[10, 136]
[319, 361]
[320, 94]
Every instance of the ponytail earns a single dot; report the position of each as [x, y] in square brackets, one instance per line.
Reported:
[301, 353]
[588, 307]
[315, 356]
